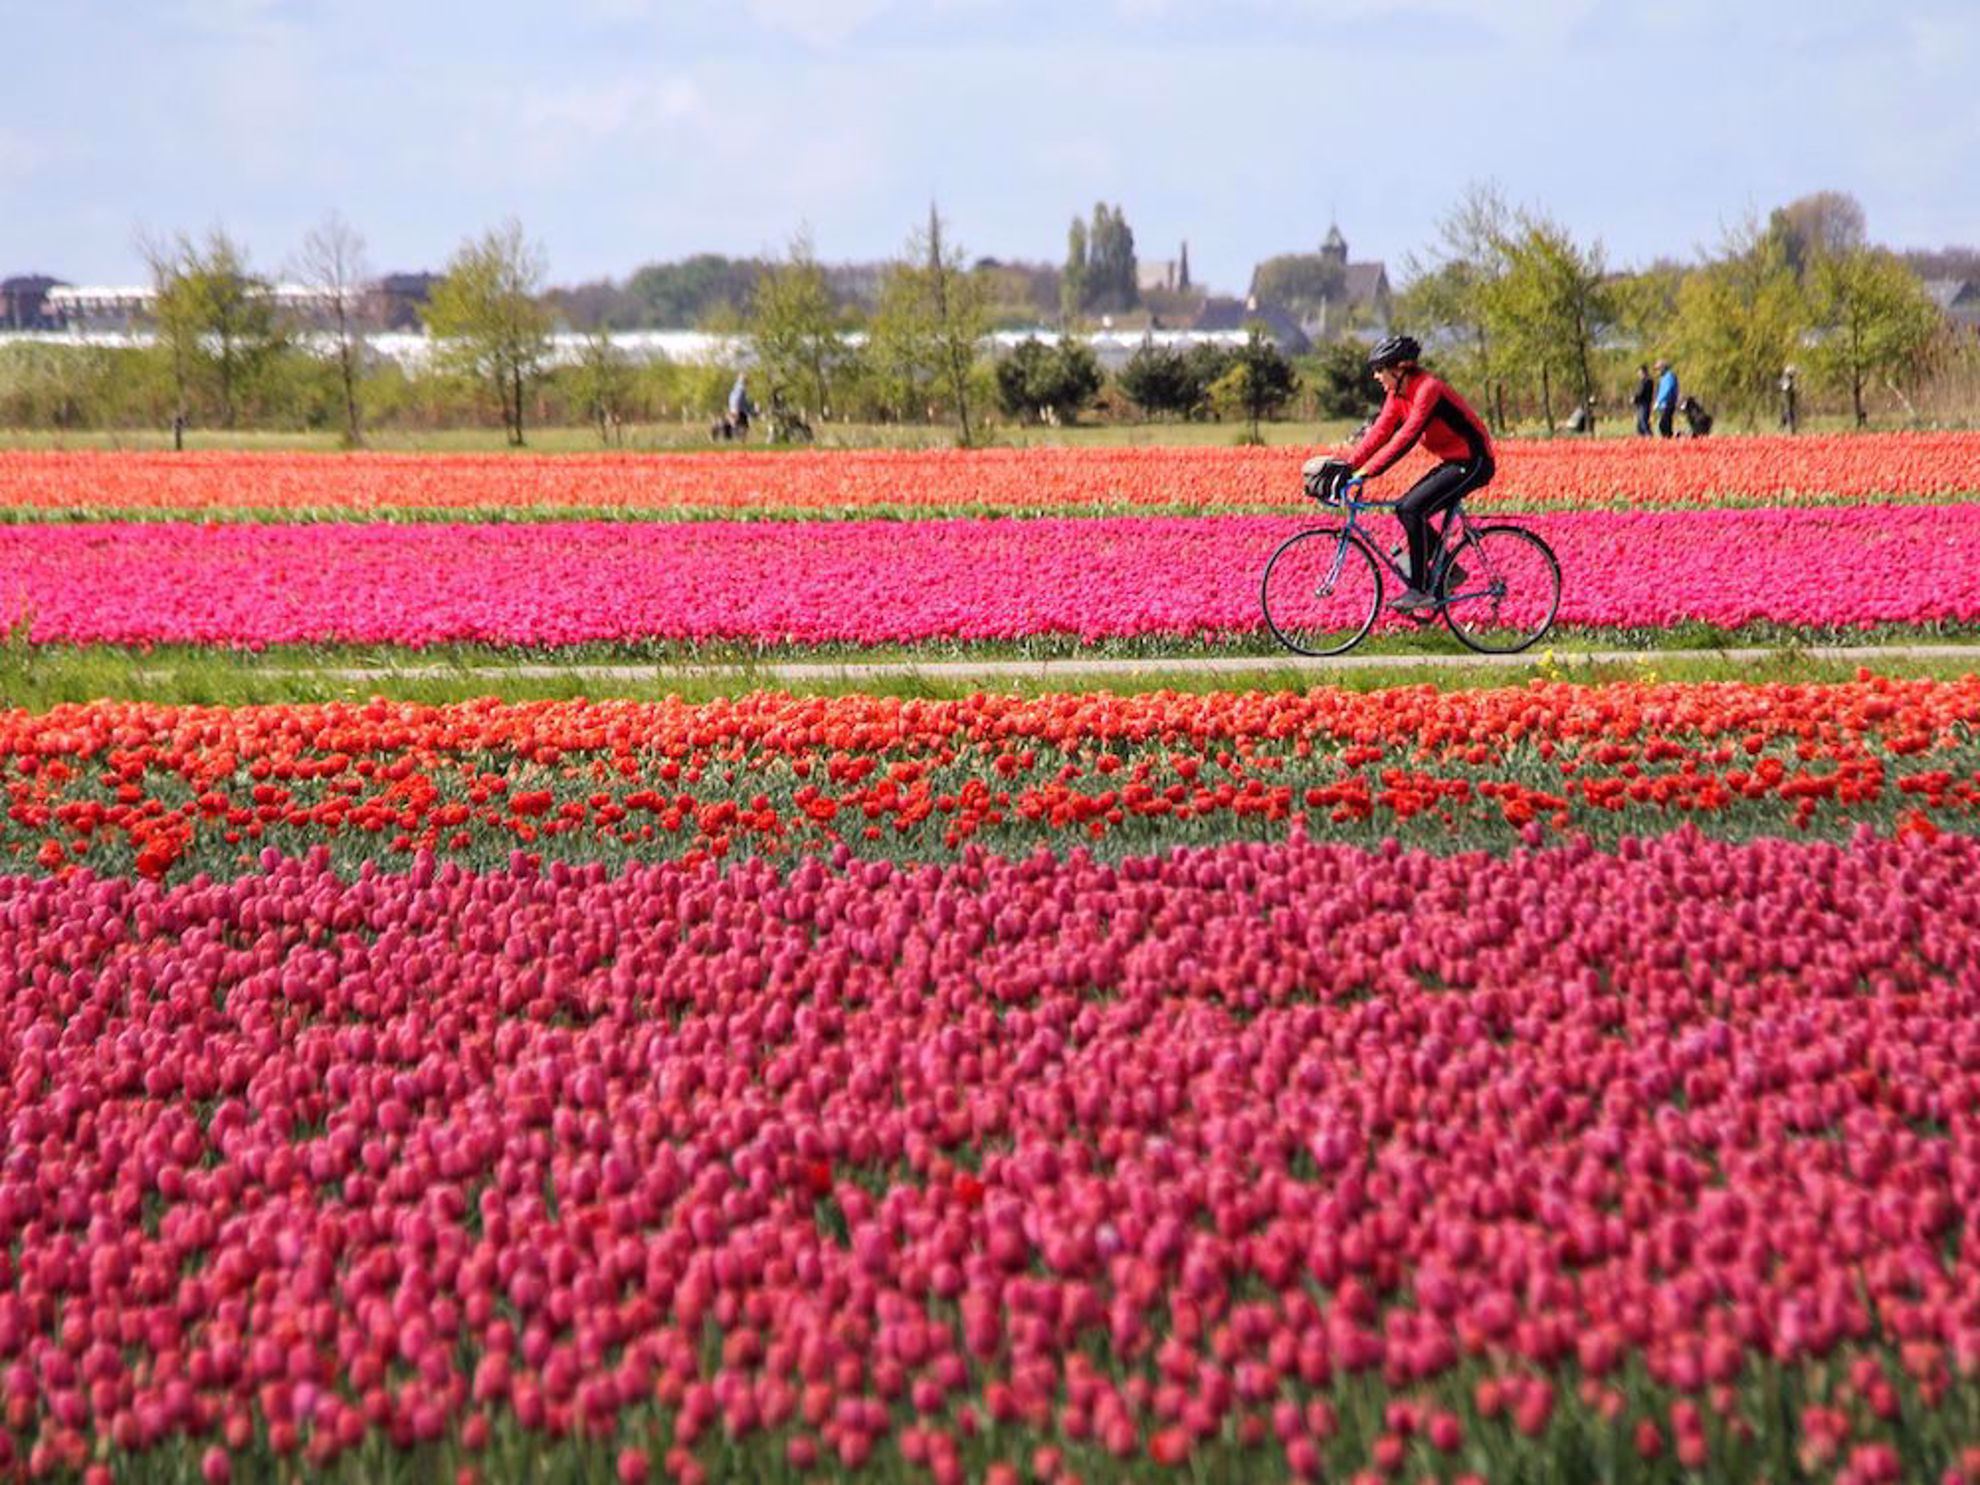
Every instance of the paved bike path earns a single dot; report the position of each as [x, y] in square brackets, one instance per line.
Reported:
[1075, 666]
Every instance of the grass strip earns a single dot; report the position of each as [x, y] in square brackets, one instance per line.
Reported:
[42, 678]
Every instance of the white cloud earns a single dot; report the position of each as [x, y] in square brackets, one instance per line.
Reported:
[819, 22]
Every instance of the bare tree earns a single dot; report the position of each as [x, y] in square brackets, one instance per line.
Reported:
[332, 261]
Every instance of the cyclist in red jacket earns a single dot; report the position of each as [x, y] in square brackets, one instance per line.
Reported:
[1418, 406]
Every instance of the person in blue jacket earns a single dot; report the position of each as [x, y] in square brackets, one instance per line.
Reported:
[1666, 404]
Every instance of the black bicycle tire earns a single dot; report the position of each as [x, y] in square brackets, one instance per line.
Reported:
[1477, 534]
[1332, 533]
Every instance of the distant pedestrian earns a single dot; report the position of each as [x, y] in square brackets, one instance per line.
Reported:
[1666, 400]
[739, 408]
[1640, 399]
[1789, 420]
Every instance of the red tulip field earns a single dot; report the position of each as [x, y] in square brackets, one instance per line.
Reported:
[1718, 471]
[1551, 1081]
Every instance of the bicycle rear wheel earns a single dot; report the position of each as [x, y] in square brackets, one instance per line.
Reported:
[1507, 591]
[1321, 592]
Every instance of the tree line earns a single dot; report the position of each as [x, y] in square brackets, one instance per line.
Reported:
[1535, 322]
[1529, 321]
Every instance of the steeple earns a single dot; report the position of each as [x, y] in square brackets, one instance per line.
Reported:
[1334, 249]
[1182, 267]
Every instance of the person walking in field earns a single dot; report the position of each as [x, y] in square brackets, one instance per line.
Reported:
[1641, 398]
[1667, 398]
[1417, 406]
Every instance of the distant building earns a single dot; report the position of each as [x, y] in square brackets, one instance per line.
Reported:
[24, 302]
[1163, 275]
[99, 307]
[1328, 294]
[1958, 299]
[1225, 314]
[398, 298]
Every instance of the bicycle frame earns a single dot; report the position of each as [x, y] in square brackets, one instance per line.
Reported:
[1453, 529]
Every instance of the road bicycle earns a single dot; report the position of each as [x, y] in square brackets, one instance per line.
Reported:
[1497, 586]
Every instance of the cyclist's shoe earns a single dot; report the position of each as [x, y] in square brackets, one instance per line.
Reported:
[1413, 601]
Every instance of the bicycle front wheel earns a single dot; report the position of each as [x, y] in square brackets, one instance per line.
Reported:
[1322, 591]
[1501, 589]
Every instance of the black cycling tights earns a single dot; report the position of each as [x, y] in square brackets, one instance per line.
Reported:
[1435, 493]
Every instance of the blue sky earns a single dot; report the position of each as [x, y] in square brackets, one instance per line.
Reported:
[624, 131]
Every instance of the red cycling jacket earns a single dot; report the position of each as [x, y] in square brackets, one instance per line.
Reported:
[1427, 409]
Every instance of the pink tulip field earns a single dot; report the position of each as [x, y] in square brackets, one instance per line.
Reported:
[1536, 1082]
[877, 582]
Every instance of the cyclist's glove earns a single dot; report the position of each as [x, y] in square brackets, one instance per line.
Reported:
[1324, 477]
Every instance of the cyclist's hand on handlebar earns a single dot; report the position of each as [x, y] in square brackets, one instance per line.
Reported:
[1324, 478]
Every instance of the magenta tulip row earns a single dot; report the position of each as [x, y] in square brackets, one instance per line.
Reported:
[879, 582]
[328, 1157]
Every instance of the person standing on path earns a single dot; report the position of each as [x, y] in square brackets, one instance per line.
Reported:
[1640, 400]
[1666, 401]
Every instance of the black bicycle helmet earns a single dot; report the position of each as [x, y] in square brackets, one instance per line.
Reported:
[1395, 351]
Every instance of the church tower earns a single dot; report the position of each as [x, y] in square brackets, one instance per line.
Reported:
[1334, 249]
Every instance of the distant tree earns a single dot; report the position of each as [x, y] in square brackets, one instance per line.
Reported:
[1872, 320]
[1204, 365]
[1112, 274]
[1072, 283]
[1645, 302]
[1451, 289]
[332, 261]
[1157, 380]
[1946, 262]
[216, 315]
[797, 331]
[930, 325]
[1739, 320]
[486, 321]
[1341, 383]
[597, 304]
[684, 295]
[1828, 223]
[1548, 306]
[1037, 380]
[602, 383]
[1259, 382]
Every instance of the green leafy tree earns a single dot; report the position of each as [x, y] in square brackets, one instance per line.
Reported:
[1872, 319]
[1738, 322]
[486, 320]
[1036, 380]
[1451, 289]
[796, 328]
[929, 328]
[1072, 282]
[602, 384]
[216, 318]
[1548, 306]
[1157, 380]
[1259, 382]
[1100, 275]
[1645, 302]
[1826, 224]
[1341, 383]
[685, 294]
